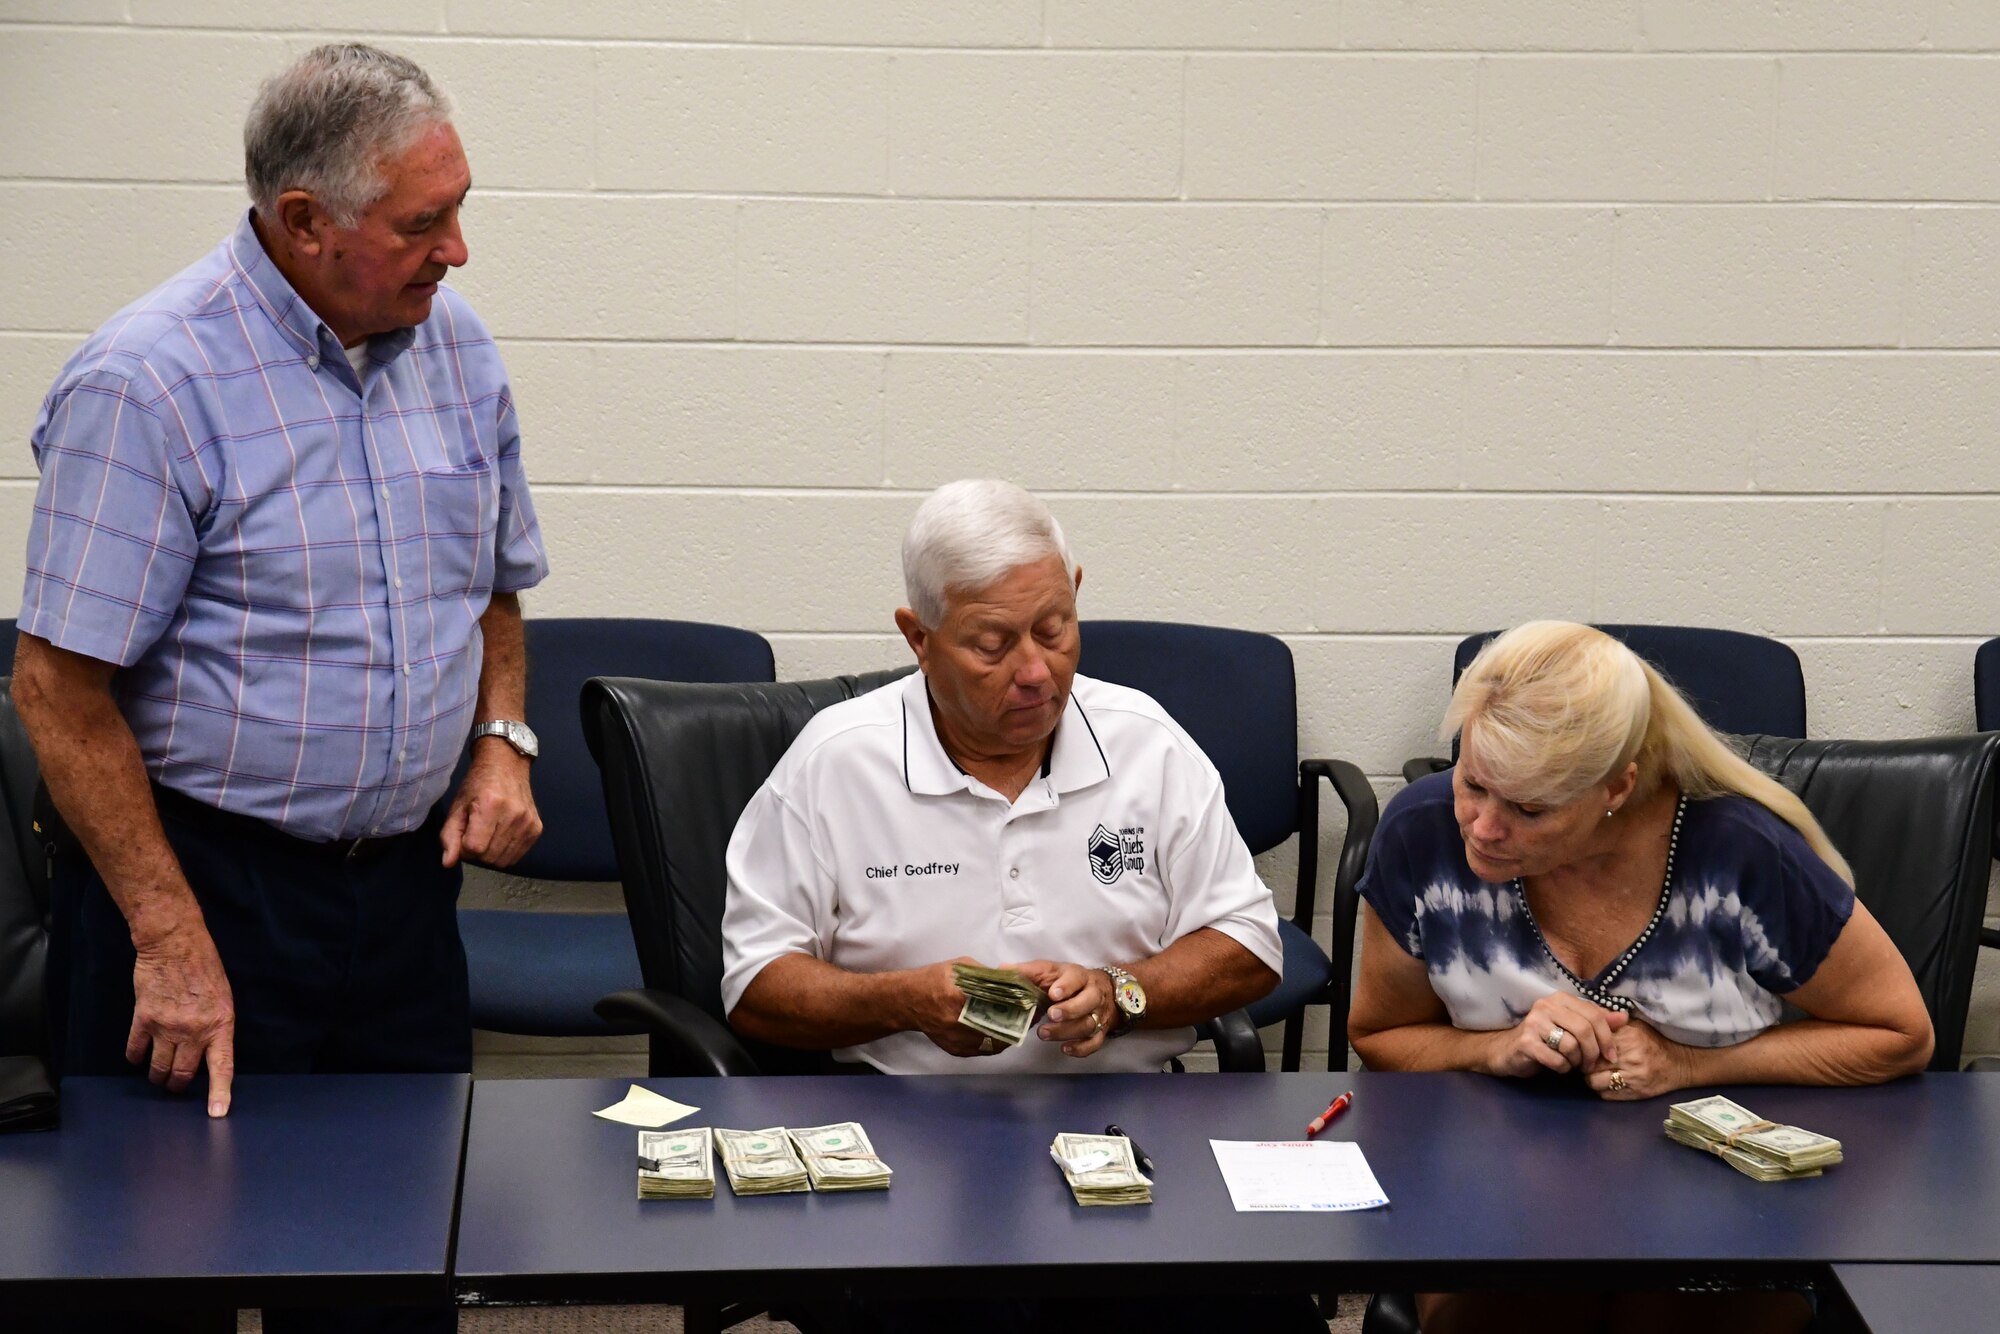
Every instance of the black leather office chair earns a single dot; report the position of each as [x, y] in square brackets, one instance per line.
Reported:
[1235, 693]
[27, 1101]
[1915, 820]
[680, 762]
[1739, 683]
[543, 972]
[1986, 708]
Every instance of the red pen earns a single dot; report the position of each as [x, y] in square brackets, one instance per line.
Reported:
[1333, 1109]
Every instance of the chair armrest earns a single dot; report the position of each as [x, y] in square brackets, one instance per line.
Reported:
[683, 1039]
[1424, 766]
[1990, 937]
[1238, 1050]
[1983, 1065]
[1363, 815]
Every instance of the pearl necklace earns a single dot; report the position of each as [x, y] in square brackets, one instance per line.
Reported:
[1600, 993]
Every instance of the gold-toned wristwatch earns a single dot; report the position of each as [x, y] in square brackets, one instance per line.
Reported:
[1127, 995]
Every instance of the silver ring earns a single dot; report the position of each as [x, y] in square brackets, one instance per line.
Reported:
[1554, 1038]
[987, 1046]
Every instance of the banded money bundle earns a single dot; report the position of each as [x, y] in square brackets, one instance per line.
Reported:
[1760, 1149]
[1100, 1169]
[677, 1164]
[839, 1157]
[761, 1162]
[999, 1002]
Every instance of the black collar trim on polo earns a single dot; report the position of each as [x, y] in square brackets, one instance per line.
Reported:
[1048, 757]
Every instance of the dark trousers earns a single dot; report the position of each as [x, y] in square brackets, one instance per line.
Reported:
[335, 964]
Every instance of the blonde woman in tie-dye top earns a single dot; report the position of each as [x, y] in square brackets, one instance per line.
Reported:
[1602, 889]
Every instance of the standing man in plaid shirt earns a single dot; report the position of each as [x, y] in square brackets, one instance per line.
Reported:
[272, 587]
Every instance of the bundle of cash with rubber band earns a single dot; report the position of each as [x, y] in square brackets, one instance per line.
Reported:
[761, 1162]
[677, 1164]
[1101, 1169]
[1760, 1149]
[999, 1002]
[839, 1157]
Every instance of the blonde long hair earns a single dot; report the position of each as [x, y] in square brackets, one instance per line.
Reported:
[1561, 707]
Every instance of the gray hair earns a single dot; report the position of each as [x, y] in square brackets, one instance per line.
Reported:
[324, 124]
[967, 534]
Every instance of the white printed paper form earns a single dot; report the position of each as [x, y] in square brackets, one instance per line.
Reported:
[1303, 1176]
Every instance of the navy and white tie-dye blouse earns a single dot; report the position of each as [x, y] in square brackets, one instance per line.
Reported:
[1750, 915]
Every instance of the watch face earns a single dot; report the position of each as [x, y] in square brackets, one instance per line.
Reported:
[1131, 997]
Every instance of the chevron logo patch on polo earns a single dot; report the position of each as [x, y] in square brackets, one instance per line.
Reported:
[1107, 855]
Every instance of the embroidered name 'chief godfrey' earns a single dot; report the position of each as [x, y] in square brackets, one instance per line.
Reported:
[912, 869]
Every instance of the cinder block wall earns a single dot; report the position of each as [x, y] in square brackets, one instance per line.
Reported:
[1365, 323]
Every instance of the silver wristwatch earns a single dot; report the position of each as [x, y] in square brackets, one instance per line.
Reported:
[518, 735]
[1127, 995]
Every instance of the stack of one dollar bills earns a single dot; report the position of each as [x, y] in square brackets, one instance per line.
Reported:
[677, 1164]
[1100, 1169]
[761, 1162]
[839, 1157]
[1760, 1149]
[999, 1002]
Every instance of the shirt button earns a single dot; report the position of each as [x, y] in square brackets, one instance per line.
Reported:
[384, 492]
[1013, 873]
[399, 581]
[313, 361]
[406, 669]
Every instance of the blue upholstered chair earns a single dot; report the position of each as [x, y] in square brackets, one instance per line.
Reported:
[1234, 692]
[1739, 683]
[541, 973]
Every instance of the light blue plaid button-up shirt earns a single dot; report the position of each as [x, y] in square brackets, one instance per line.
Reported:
[288, 566]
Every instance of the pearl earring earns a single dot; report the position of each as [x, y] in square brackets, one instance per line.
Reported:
[1607, 812]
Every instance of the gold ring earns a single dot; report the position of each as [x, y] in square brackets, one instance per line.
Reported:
[1096, 1023]
[987, 1046]
[1617, 1084]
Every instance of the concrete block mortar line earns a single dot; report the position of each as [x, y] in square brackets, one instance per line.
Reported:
[1180, 182]
[1777, 120]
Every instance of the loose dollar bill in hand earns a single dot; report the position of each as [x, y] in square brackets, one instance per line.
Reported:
[1764, 1150]
[761, 1162]
[1100, 1169]
[999, 1002]
[677, 1164]
[839, 1157]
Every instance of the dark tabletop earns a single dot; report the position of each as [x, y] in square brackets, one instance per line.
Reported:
[1923, 1299]
[1490, 1182]
[314, 1189]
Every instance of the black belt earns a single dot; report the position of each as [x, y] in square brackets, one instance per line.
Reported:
[340, 851]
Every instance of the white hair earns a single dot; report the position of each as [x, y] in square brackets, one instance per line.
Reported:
[968, 534]
[324, 124]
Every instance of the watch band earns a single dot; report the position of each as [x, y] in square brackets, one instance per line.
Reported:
[516, 734]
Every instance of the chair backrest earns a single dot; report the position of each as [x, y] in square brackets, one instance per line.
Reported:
[563, 653]
[1915, 819]
[679, 763]
[1233, 691]
[1737, 682]
[24, 899]
[1986, 686]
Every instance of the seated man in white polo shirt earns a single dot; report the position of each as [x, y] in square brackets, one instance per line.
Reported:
[998, 807]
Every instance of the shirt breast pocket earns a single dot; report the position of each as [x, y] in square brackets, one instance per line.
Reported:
[461, 512]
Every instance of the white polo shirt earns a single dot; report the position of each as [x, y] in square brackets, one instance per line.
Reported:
[868, 848]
